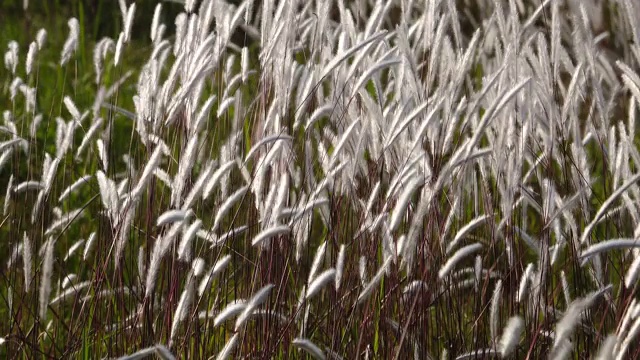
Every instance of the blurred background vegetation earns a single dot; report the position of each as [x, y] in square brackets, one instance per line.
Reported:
[97, 18]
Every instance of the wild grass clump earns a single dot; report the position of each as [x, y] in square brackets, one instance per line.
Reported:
[326, 179]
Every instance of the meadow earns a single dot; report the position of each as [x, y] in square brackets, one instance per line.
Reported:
[325, 179]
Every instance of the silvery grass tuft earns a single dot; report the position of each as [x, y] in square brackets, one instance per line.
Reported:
[329, 178]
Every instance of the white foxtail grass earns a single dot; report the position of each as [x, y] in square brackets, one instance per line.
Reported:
[68, 280]
[631, 277]
[27, 253]
[606, 205]
[233, 309]
[228, 349]
[566, 326]
[375, 281]
[7, 199]
[198, 187]
[494, 312]
[171, 216]
[128, 21]
[31, 55]
[317, 261]
[47, 274]
[74, 187]
[155, 22]
[184, 249]
[159, 350]
[27, 185]
[465, 230]
[320, 282]
[525, 279]
[403, 201]
[255, 301]
[478, 271]
[219, 266]
[607, 245]
[71, 45]
[215, 178]
[447, 148]
[606, 350]
[118, 51]
[340, 265]
[184, 304]
[88, 246]
[266, 234]
[456, 257]
[76, 246]
[227, 205]
[308, 346]
[565, 287]
[510, 336]
[64, 221]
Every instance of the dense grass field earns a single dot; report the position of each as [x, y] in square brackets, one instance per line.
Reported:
[326, 179]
